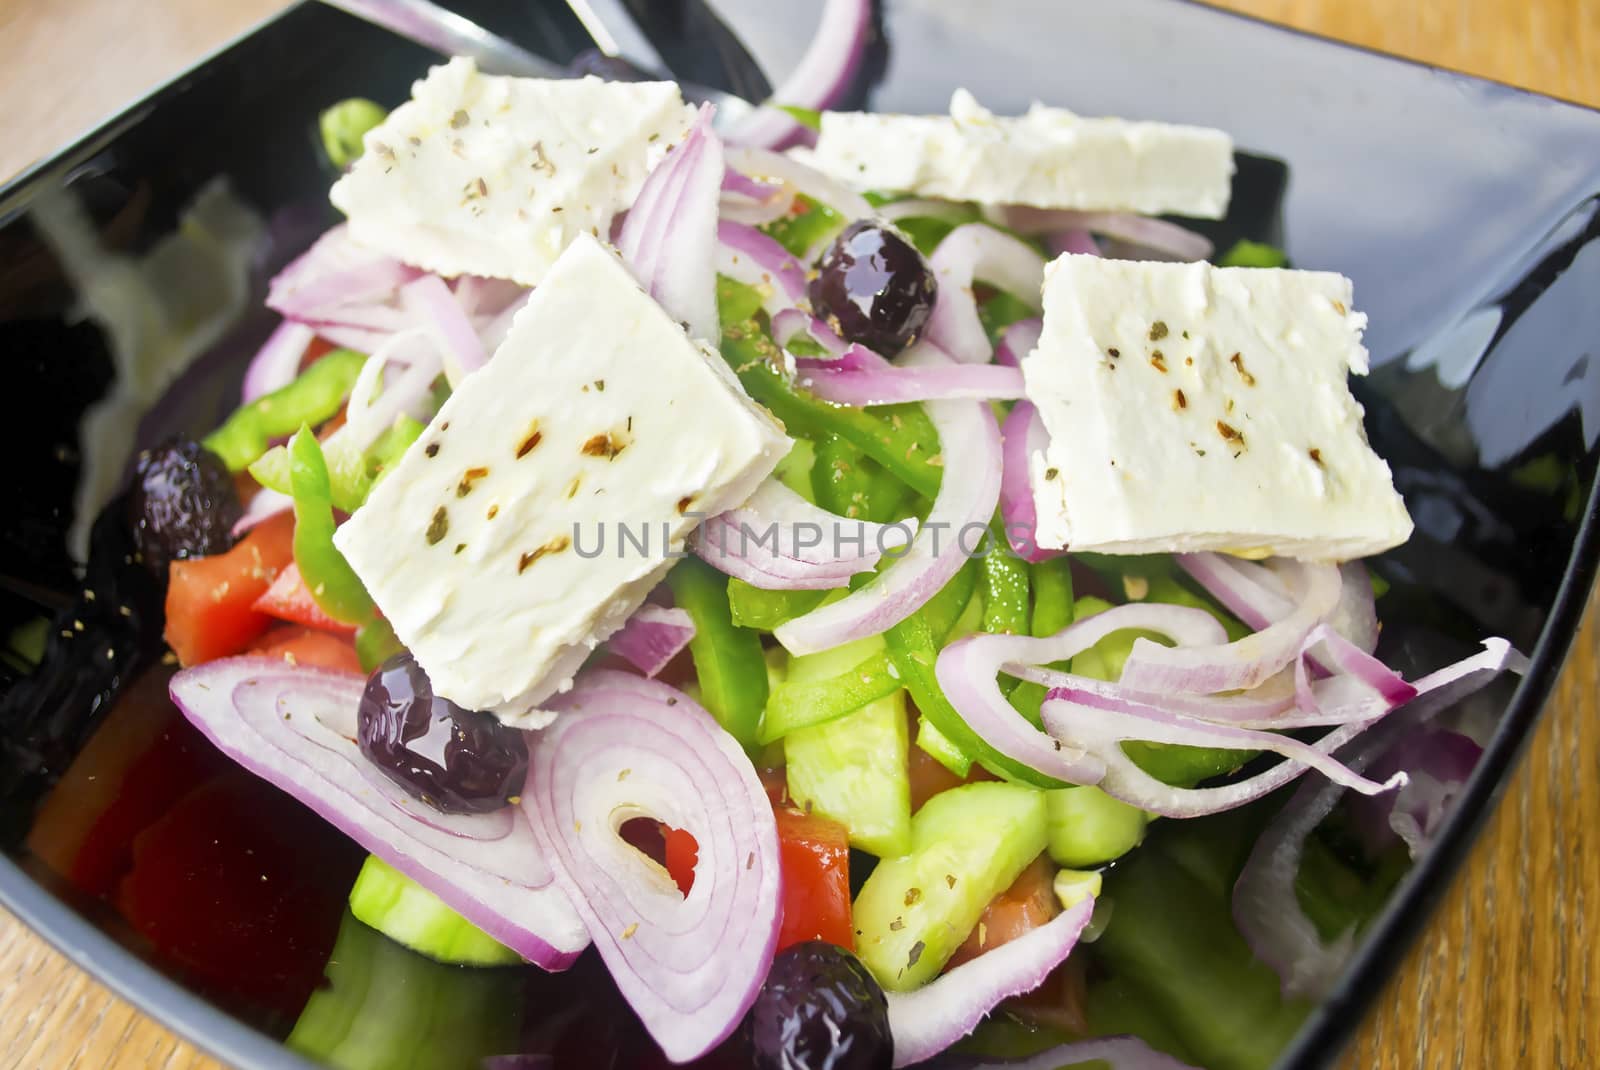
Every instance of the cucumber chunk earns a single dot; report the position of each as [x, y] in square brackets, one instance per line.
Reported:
[1087, 827]
[968, 845]
[414, 917]
[854, 770]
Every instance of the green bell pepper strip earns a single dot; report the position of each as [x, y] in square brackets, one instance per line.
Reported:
[1004, 580]
[763, 610]
[1052, 611]
[914, 648]
[901, 438]
[1254, 254]
[333, 584]
[312, 398]
[351, 474]
[728, 660]
[343, 127]
[798, 233]
[800, 704]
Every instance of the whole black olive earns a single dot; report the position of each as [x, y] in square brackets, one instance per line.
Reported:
[819, 1010]
[873, 287]
[183, 504]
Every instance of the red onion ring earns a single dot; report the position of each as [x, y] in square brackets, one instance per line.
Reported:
[434, 307]
[1023, 437]
[669, 236]
[969, 444]
[746, 255]
[863, 378]
[928, 1020]
[1166, 240]
[820, 80]
[968, 671]
[274, 719]
[978, 251]
[652, 637]
[784, 561]
[1018, 340]
[625, 747]
[803, 179]
[277, 362]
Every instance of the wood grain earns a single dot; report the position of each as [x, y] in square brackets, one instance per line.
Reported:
[1508, 971]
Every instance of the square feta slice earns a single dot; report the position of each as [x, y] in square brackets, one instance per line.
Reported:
[1193, 408]
[1048, 158]
[486, 175]
[541, 504]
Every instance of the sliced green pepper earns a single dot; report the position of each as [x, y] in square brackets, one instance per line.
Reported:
[312, 398]
[1254, 254]
[914, 648]
[333, 584]
[763, 610]
[1052, 596]
[901, 438]
[801, 703]
[728, 660]
[351, 473]
[343, 127]
[799, 232]
[1004, 580]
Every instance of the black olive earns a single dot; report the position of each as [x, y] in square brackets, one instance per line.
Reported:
[819, 1010]
[183, 504]
[457, 760]
[873, 287]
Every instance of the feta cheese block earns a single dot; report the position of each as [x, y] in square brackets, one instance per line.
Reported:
[542, 502]
[1048, 158]
[486, 175]
[1191, 407]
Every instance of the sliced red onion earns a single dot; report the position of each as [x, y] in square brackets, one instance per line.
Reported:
[652, 637]
[820, 80]
[971, 252]
[968, 671]
[337, 270]
[277, 362]
[435, 309]
[1166, 240]
[746, 255]
[1244, 588]
[493, 331]
[481, 296]
[626, 747]
[292, 726]
[1356, 615]
[777, 540]
[1017, 341]
[266, 504]
[1098, 724]
[1340, 655]
[405, 367]
[745, 186]
[1118, 1053]
[1078, 242]
[863, 378]
[790, 323]
[1023, 437]
[669, 237]
[928, 1020]
[969, 445]
[1265, 907]
[360, 339]
[802, 178]
[1438, 761]
[744, 200]
[1242, 665]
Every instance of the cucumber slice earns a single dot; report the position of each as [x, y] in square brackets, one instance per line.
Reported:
[853, 769]
[1073, 886]
[1087, 827]
[968, 845]
[414, 917]
[942, 749]
[386, 1008]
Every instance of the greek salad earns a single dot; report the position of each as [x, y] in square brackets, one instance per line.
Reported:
[795, 559]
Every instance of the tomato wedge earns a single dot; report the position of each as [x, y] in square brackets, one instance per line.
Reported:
[289, 599]
[299, 645]
[1026, 905]
[814, 855]
[682, 852]
[211, 600]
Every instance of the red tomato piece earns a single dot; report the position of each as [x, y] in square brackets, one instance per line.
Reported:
[814, 857]
[1026, 905]
[210, 600]
[682, 853]
[290, 599]
[306, 646]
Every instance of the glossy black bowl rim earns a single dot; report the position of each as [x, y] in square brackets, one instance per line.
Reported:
[1320, 1040]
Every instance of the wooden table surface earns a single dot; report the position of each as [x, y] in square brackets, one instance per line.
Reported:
[1508, 971]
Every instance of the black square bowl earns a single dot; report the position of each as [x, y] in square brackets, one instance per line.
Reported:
[1464, 211]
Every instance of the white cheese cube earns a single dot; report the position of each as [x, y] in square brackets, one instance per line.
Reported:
[1048, 158]
[499, 547]
[1200, 408]
[486, 175]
